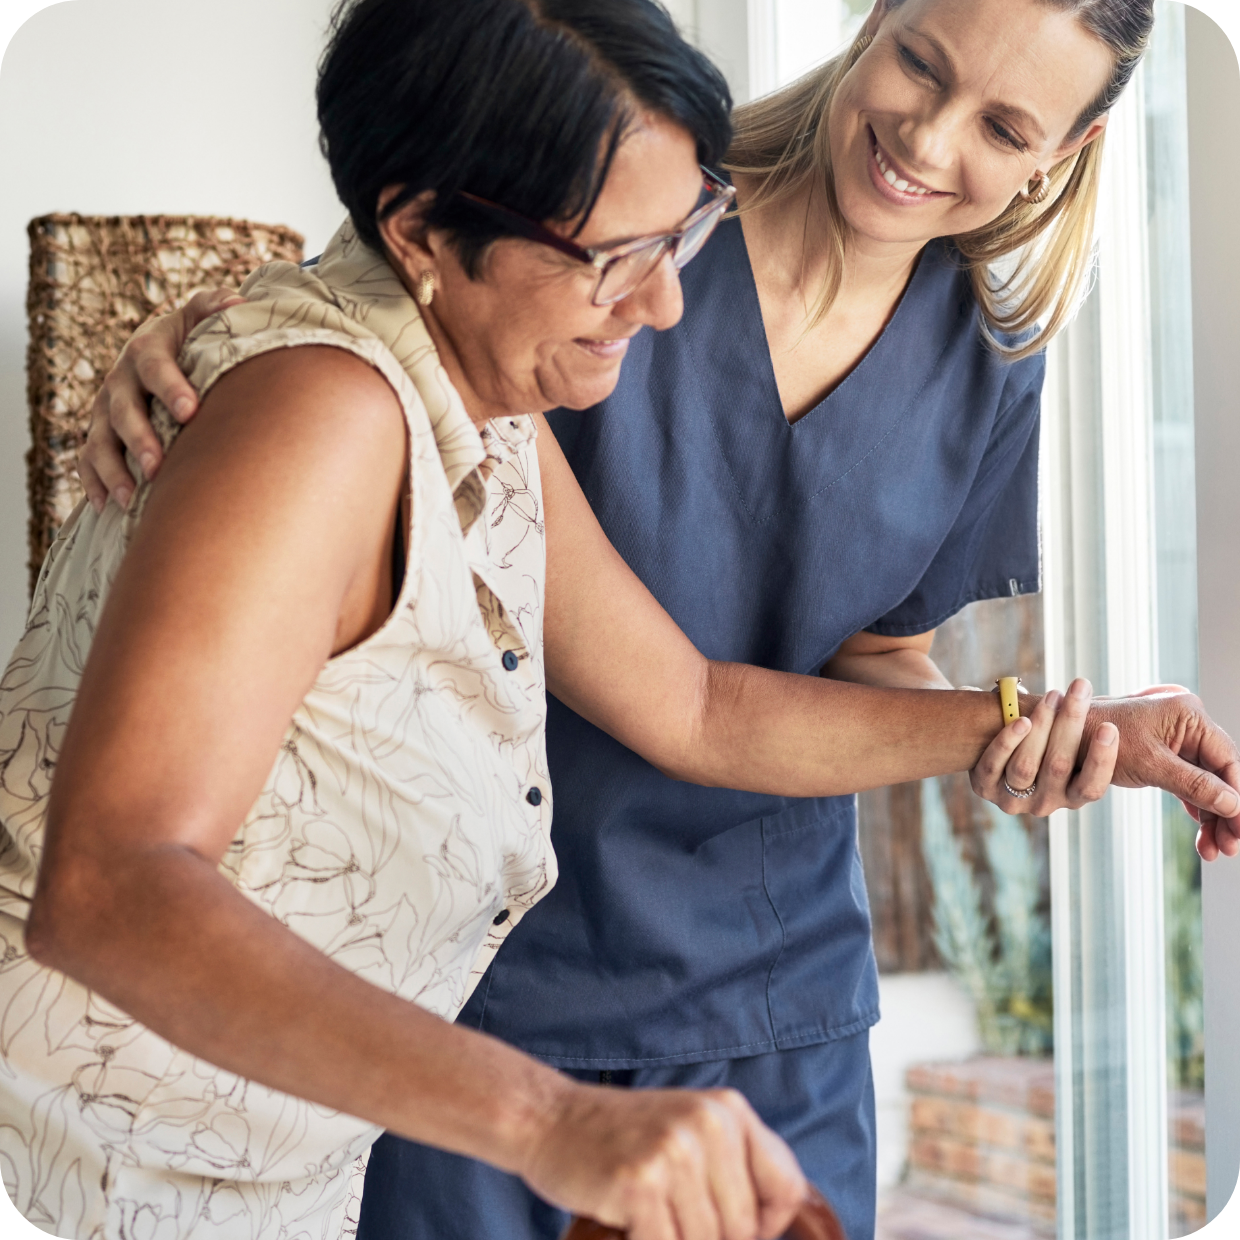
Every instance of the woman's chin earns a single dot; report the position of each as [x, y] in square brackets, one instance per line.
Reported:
[580, 387]
[879, 222]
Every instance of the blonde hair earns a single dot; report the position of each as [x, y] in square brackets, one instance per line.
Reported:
[782, 140]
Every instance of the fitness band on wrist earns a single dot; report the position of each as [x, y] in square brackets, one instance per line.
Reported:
[1009, 703]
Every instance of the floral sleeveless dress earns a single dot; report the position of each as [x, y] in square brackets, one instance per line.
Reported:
[403, 830]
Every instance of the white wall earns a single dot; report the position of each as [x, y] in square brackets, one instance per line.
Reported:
[122, 107]
[927, 1018]
[205, 107]
[763, 44]
[1214, 188]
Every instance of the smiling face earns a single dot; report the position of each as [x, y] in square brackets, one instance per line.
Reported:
[953, 108]
[524, 336]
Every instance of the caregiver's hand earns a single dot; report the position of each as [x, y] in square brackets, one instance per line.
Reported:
[666, 1164]
[119, 417]
[1048, 751]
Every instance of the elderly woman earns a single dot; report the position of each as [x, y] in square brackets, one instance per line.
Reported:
[274, 777]
[702, 936]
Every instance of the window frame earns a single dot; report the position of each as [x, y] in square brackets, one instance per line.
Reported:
[1100, 617]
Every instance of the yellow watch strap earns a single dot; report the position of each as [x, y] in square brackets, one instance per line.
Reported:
[1009, 703]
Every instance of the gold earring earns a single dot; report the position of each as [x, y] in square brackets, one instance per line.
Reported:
[1038, 194]
[861, 44]
[424, 294]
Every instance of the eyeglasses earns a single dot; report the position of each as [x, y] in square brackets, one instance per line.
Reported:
[621, 268]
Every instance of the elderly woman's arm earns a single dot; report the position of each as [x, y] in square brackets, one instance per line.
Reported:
[661, 697]
[617, 658]
[266, 548]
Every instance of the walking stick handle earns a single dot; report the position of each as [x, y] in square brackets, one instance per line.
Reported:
[815, 1220]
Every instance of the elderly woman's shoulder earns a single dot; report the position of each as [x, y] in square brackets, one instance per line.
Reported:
[291, 308]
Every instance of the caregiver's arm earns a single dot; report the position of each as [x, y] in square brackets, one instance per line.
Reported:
[265, 549]
[618, 659]
[119, 417]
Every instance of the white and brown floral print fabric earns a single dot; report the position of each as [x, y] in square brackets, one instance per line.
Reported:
[398, 830]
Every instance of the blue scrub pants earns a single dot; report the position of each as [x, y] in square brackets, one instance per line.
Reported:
[820, 1099]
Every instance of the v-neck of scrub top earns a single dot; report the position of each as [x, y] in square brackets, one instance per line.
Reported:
[852, 370]
[822, 447]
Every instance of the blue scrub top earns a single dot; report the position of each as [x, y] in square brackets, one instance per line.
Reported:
[689, 923]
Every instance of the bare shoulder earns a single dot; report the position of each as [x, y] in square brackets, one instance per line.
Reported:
[296, 389]
[294, 464]
[311, 425]
[264, 547]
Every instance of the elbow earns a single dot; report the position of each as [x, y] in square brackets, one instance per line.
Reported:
[700, 749]
[685, 772]
[61, 928]
[44, 937]
[46, 929]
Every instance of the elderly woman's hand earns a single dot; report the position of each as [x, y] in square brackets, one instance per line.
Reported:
[1167, 740]
[666, 1164]
[1074, 747]
[119, 417]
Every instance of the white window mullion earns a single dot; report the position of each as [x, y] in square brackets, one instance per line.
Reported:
[763, 47]
[786, 38]
[1101, 607]
[1127, 410]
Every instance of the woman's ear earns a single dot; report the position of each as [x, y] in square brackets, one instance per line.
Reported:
[404, 233]
[875, 19]
[1069, 149]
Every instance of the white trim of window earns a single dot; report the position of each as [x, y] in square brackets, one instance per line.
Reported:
[1132, 636]
[1100, 620]
[763, 46]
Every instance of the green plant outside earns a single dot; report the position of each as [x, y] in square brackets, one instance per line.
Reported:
[1185, 993]
[1004, 963]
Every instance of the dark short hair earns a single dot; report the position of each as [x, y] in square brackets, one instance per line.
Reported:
[522, 102]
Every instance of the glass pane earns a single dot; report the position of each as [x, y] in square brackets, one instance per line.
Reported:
[1107, 859]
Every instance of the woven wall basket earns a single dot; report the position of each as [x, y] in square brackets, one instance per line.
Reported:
[93, 280]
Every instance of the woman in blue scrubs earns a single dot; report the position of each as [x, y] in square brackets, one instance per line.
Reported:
[822, 462]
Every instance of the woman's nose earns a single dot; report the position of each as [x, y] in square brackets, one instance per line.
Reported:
[657, 301]
[929, 139]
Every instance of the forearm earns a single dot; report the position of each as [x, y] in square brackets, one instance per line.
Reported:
[168, 940]
[810, 736]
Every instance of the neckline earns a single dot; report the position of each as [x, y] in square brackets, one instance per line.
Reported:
[767, 458]
[864, 363]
